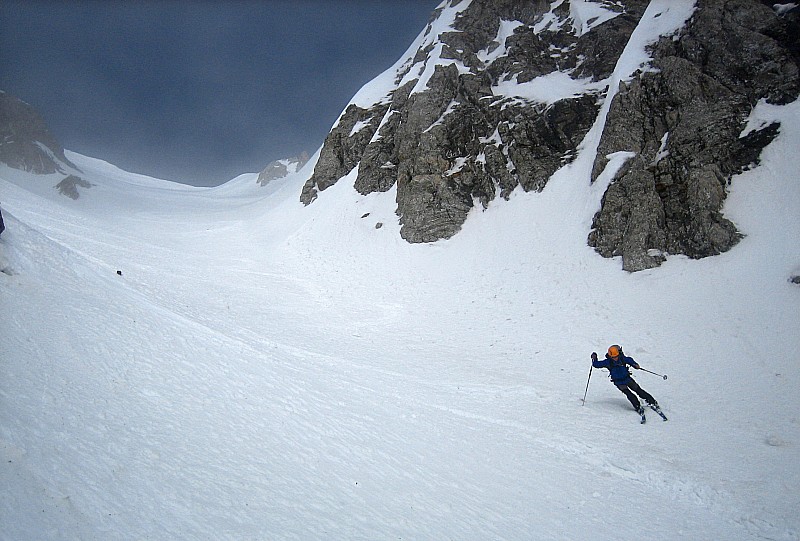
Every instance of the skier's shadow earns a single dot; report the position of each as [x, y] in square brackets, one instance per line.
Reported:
[610, 404]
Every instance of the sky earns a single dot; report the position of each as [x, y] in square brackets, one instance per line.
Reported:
[198, 91]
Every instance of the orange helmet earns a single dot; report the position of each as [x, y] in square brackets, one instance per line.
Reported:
[614, 351]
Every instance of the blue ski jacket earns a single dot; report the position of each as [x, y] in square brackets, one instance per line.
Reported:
[620, 375]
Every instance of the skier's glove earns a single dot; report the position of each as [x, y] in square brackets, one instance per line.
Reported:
[594, 356]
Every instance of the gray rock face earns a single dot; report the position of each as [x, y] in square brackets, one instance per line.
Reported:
[683, 121]
[448, 136]
[343, 148]
[25, 141]
[458, 142]
[280, 168]
[69, 186]
[27, 144]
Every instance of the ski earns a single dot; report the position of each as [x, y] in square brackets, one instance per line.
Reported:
[658, 410]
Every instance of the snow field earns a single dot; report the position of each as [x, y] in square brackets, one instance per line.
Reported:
[264, 370]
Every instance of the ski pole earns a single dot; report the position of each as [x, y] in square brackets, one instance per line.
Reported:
[659, 375]
[587, 385]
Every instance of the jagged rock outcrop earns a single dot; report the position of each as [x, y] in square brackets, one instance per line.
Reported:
[683, 121]
[343, 148]
[69, 186]
[25, 141]
[27, 144]
[470, 116]
[449, 137]
[280, 168]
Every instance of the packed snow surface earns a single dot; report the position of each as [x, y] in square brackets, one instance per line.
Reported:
[264, 370]
[225, 363]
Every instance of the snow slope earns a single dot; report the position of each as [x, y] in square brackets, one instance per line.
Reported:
[264, 370]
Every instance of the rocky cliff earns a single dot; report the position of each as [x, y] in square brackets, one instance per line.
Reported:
[25, 140]
[499, 94]
[27, 144]
[280, 168]
[683, 119]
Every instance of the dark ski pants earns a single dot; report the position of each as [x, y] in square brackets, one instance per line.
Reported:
[633, 386]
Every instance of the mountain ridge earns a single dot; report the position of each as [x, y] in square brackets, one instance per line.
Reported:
[496, 95]
[25, 140]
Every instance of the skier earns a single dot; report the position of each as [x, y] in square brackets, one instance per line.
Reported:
[617, 363]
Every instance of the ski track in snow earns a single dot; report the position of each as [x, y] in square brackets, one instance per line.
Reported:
[244, 382]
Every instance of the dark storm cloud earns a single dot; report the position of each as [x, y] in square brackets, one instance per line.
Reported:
[198, 91]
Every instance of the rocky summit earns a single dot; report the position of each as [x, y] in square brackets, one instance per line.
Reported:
[25, 141]
[278, 169]
[27, 144]
[497, 95]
